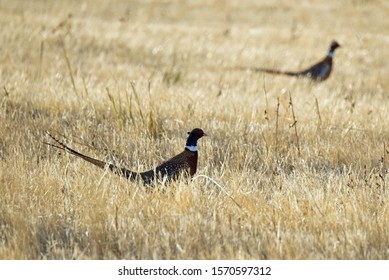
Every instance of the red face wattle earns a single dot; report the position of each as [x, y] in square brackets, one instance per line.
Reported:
[197, 132]
[201, 133]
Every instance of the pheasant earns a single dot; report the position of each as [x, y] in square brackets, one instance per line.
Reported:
[317, 72]
[184, 162]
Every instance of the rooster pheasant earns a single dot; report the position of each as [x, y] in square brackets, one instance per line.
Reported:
[317, 72]
[184, 162]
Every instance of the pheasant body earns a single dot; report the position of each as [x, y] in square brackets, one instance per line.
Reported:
[183, 163]
[317, 72]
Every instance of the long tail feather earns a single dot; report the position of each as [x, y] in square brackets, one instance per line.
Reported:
[101, 164]
[278, 72]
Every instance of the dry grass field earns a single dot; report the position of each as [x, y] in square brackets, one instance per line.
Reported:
[306, 163]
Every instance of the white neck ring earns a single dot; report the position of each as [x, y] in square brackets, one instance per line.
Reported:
[191, 148]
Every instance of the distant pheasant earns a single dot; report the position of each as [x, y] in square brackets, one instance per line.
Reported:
[317, 72]
[184, 162]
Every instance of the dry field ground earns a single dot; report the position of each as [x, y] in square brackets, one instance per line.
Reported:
[307, 164]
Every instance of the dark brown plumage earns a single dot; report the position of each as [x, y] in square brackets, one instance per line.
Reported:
[184, 162]
[317, 72]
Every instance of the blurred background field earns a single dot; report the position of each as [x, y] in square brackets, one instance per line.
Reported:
[307, 163]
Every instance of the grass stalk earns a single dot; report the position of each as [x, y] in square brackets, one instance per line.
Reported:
[277, 117]
[294, 124]
[218, 185]
[70, 70]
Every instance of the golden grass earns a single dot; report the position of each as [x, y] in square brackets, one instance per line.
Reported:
[129, 78]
